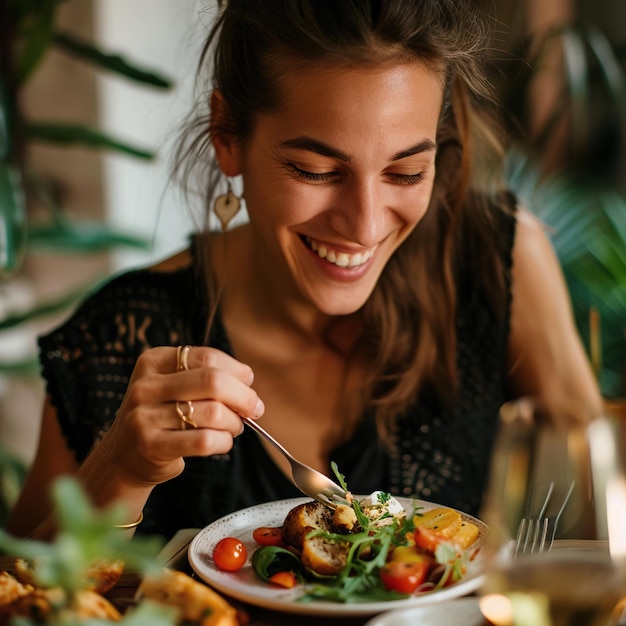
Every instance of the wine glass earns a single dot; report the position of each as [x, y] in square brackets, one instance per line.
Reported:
[556, 509]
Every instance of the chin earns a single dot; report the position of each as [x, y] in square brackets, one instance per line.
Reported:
[340, 304]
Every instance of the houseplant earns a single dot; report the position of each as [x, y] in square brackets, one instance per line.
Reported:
[28, 32]
[568, 170]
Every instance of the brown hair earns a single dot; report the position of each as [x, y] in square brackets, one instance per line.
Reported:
[408, 340]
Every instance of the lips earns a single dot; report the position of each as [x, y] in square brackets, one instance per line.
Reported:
[340, 258]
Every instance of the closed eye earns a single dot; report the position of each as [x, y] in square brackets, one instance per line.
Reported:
[323, 177]
[406, 179]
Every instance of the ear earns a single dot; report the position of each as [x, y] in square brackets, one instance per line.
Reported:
[226, 145]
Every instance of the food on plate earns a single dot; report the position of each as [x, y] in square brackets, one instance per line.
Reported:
[26, 600]
[195, 602]
[366, 548]
[317, 554]
[230, 554]
[192, 601]
[100, 576]
[268, 535]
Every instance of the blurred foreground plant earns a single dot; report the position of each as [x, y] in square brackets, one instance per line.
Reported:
[85, 536]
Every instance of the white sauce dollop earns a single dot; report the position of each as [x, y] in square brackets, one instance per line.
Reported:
[374, 508]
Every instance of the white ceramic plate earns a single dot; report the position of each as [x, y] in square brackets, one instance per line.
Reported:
[244, 585]
[458, 612]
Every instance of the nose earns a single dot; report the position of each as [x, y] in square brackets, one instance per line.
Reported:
[359, 215]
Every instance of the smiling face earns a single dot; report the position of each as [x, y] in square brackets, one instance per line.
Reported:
[337, 178]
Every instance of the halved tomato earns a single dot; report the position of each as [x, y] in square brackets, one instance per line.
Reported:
[404, 577]
[268, 535]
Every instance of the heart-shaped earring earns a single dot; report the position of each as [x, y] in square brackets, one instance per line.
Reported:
[226, 207]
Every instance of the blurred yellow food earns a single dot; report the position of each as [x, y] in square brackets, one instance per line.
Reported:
[25, 600]
[101, 576]
[195, 601]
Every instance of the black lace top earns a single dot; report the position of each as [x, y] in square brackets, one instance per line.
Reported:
[441, 455]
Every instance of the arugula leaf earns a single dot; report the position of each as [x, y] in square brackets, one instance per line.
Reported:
[268, 560]
[340, 477]
[455, 561]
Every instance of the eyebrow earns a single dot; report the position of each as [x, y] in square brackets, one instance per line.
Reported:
[313, 145]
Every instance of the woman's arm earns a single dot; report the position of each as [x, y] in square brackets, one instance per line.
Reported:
[145, 445]
[546, 355]
[52, 459]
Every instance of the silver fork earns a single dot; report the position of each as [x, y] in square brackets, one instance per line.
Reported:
[308, 480]
[532, 532]
[538, 534]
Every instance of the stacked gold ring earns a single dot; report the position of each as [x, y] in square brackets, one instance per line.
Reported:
[182, 354]
[182, 363]
[186, 419]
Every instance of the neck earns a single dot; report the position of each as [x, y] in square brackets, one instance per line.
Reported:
[252, 288]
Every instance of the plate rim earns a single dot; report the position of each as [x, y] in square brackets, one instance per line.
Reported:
[284, 601]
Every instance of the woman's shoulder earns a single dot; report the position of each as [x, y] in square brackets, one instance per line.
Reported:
[163, 280]
[148, 302]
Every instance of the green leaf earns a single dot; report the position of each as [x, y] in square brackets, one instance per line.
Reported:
[6, 121]
[12, 476]
[74, 134]
[268, 560]
[48, 308]
[85, 534]
[149, 612]
[587, 225]
[112, 62]
[34, 36]
[82, 237]
[12, 220]
[24, 367]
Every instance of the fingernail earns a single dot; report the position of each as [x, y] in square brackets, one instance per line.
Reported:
[259, 409]
[251, 378]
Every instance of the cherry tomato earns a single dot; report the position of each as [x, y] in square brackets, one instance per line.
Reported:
[284, 579]
[404, 577]
[230, 554]
[268, 536]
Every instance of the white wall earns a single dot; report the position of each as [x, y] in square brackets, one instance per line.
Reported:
[165, 35]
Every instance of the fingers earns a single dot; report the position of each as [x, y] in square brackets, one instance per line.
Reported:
[169, 360]
[180, 402]
[194, 442]
[212, 375]
[204, 414]
[197, 374]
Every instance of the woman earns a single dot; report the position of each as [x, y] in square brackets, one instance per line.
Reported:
[382, 302]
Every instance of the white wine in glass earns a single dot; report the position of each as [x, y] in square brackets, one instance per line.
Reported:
[556, 509]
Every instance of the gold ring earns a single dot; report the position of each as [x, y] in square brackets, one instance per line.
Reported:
[182, 354]
[186, 418]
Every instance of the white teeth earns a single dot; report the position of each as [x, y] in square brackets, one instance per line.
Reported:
[356, 259]
[341, 259]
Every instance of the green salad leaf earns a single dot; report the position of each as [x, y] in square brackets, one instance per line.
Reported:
[269, 560]
[359, 581]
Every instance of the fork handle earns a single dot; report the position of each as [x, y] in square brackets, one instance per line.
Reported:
[252, 424]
